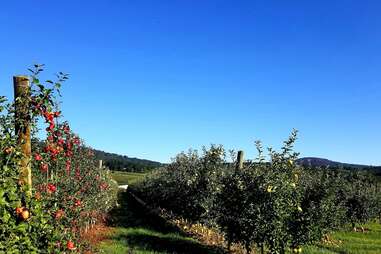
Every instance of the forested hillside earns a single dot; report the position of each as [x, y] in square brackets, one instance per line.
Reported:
[125, 163]
[325, 163]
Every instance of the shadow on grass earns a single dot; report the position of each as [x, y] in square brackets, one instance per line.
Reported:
[141, 229]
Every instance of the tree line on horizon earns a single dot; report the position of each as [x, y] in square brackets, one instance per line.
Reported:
[124, 163]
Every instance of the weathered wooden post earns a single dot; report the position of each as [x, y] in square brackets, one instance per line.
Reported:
[22, 128]
[100, 165]
[239, 160]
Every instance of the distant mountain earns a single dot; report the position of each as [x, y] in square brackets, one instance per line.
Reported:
[321, 162]
[125, 163]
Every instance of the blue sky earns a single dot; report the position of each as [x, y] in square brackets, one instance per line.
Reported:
[152, 78]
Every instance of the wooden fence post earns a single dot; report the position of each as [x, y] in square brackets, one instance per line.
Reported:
[22, 128]
[239, 160]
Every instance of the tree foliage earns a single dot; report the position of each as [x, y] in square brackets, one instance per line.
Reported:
[69, 191]
[273, 205]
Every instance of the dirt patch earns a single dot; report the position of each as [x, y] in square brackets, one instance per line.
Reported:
[96, 234]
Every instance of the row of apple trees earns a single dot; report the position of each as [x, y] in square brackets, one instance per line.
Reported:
[69, 191]
[272, 205]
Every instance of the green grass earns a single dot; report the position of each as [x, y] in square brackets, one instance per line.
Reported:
[129, 178]
[137, 230]
[353, 242]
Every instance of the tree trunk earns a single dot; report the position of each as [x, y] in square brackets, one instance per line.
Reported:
[22, 128]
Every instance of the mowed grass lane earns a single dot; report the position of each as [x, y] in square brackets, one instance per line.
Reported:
[352, 242]
[129, 178]
[134, 229]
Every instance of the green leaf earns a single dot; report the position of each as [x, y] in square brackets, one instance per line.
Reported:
[6, 216]
[21, 228]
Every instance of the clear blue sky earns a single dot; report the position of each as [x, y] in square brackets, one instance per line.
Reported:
[152, 78]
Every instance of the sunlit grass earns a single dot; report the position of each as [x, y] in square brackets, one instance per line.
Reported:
[143, 240]
[129, 178]
[351, 242]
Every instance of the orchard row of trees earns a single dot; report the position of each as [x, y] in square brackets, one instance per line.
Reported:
[69, 192]
[270, 205]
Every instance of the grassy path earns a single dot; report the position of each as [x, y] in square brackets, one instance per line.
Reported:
[136, 230]
[353, 242]
[129, 178]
